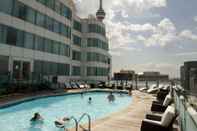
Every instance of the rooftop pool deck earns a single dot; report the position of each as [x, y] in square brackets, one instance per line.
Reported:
[128, 119]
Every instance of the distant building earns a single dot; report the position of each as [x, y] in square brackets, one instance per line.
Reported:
[189, 76]
[124, 75]
[152, 76]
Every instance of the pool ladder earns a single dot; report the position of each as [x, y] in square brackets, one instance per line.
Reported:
[77, 123]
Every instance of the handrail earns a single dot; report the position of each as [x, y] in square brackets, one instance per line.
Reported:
[89, 120]
[76, 122]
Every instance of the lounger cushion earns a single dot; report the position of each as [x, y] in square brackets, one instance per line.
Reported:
[152, 122]
[168, 116]
[167, 100]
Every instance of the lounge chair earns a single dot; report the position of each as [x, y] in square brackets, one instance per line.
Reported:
[161, 95]
[157, 123]
[161, 106]
[153, 89]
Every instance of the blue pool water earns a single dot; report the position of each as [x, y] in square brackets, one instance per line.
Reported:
[17, 118]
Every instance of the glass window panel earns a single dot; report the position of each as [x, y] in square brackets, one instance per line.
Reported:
[50, 3]
[57, 6]
[20, 38]
[39, 43]
[48, 46]
[56, 27]
[4, 60]
[56, 47]
[40, 19]
[3, 33]
[62, 49]
[31, 14]
[29, 40]
[49, 23]
[20, 10]
[11, 36]
[6, 6]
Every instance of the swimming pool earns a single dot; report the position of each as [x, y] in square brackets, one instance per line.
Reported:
[17, 118]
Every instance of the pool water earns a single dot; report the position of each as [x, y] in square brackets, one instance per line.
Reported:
[17, 118]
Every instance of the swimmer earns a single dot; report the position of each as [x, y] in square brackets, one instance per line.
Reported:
[111, 97]
[36, 117]
[89, 100]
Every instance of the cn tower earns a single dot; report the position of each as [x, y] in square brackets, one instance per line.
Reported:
[100, 14]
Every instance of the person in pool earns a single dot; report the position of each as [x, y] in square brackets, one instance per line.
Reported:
[111, 97]
[90, 100]
[36, 117]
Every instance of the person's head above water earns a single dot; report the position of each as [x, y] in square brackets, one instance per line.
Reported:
[90, 98]
[36, 116]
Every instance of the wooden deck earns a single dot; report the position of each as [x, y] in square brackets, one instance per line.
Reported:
[128, 119]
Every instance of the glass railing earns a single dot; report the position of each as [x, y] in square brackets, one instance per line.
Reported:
[187, 113]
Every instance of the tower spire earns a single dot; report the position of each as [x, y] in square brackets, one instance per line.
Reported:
[100, 14]
[101, 4]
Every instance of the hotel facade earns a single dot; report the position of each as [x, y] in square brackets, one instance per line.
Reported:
[45, 38]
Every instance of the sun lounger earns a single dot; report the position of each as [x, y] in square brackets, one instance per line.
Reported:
[161, 107]
[157, 123]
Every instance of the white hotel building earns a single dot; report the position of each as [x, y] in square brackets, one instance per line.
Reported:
[45, 38]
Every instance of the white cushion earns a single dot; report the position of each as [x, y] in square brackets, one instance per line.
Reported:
[167, 100]
[153, 122]
[168, 116]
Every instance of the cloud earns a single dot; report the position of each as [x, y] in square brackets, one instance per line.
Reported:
[126, 7]
[187, 34]
[165, 33]
[195, 18]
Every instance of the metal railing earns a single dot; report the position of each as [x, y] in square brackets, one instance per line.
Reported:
[89, 122]
[76, 122]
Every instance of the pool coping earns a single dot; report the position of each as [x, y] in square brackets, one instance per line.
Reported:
[27, 99]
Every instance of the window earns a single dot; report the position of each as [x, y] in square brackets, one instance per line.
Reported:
[4, 60]
[66, 12]
[76, 55]
[46, 68]
[20, 10]
[6, 6]
[77, 26]
[56, 47]
[11, 36]
[30, 16]
[54, 68]
[76, 71]
[40, 19]
[50, 3]
[38, 67]
[76, 40]
[49, 23]
[56, 27]
[29, 40]
[3, 33]
[20, 39]
[96, 29]
[39, 43]
[67, 50]
[48, 46]
[57, 6]
[66, 31]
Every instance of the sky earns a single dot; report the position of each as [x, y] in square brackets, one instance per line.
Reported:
[148, 35]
